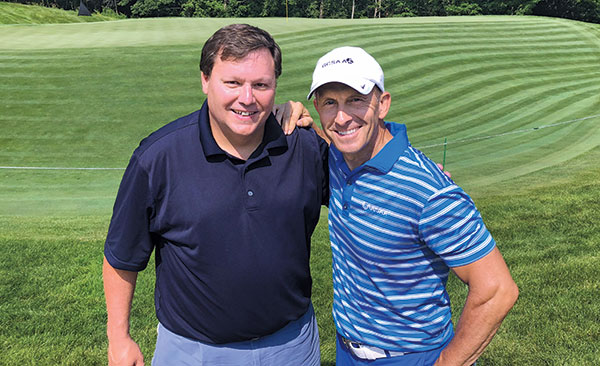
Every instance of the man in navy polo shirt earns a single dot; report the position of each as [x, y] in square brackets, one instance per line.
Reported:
[397, 225]
[229, 204]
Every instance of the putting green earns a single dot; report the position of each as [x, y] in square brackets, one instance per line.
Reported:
[512, 95]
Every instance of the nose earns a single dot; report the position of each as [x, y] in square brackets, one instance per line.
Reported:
[341, 117]
[246, 94]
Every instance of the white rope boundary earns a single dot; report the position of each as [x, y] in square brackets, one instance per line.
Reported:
[509, 133]
[419, 147]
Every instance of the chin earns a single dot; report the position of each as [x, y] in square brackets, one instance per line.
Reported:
[245, 129]
[345, 148]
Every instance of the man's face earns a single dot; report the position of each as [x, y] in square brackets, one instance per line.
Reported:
[240, 95]
[352, 120]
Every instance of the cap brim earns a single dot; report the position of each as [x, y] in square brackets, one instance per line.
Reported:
[362, 86]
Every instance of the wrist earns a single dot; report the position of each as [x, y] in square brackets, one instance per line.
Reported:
[117, 333]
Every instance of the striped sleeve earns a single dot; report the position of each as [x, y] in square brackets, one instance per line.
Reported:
[452, 227]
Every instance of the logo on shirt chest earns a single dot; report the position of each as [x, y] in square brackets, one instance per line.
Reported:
[378, 210]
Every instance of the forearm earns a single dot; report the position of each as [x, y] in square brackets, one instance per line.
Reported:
[476, 327]
[119, 287]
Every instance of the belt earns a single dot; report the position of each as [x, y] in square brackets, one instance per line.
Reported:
[366, 352]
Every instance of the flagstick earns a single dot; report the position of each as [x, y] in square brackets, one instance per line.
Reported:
[444, 161]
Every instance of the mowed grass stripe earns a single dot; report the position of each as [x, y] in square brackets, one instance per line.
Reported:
[503, 79]
[494, 151]
[510, 99]
[452, 77]
[418, 35]
[82, 120]
[401, 38]
[510, 155]
[581, 141]
[529, 143]
[182, 31]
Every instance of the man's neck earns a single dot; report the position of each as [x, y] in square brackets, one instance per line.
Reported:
[355, 160]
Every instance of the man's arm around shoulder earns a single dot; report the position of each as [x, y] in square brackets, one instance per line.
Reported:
[119, 286]
[492, 293]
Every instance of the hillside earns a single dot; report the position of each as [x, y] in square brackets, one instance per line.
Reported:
[13, 13]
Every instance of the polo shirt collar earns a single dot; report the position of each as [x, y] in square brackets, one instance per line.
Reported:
[272, 138]
[387, 157]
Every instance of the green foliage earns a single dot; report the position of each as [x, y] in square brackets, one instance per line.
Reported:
[156, 8]
[396, 8]
[585, 10]
[508, 7]
[463, 9]
[110, 13]
[203, 8]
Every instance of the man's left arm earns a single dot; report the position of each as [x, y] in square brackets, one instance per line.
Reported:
[294, 114]
[492, 293]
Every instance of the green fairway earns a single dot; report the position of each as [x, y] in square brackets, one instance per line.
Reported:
[517, 98]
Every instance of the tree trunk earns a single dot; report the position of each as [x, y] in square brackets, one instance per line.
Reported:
[377, 12]
[352, 16]
[321, 10]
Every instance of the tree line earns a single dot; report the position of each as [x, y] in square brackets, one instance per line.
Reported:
[584, 10]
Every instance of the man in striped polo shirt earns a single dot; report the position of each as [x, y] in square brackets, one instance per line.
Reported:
[397, 226]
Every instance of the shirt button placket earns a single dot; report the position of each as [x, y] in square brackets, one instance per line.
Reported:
[250, 193]
[347, 195]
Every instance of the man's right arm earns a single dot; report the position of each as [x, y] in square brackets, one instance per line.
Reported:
[119, 286]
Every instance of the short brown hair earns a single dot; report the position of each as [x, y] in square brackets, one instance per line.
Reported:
[236, 41]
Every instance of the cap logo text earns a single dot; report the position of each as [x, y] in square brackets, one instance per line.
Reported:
[348, 61]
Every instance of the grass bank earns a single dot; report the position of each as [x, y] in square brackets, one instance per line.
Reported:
[14, 13]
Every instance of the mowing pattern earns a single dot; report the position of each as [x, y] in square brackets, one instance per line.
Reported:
[84, 95]
[472, 79]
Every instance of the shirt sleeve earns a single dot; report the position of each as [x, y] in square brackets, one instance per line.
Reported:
[129, 242]
[452, 227]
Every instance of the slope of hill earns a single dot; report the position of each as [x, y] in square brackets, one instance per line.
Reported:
[13, 13]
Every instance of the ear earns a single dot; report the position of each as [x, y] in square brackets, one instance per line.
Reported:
[315, 103]
[205, 80]
[385, 101]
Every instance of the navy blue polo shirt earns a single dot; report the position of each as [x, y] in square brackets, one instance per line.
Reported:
[232, 237]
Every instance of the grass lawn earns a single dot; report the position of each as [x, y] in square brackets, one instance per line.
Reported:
[517, 98]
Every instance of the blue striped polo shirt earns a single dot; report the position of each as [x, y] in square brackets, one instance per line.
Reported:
[397, 224]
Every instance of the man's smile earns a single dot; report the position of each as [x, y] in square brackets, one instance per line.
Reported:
[244, 113]
[348, 132]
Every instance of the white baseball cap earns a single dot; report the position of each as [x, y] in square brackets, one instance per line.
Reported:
[352, 66]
